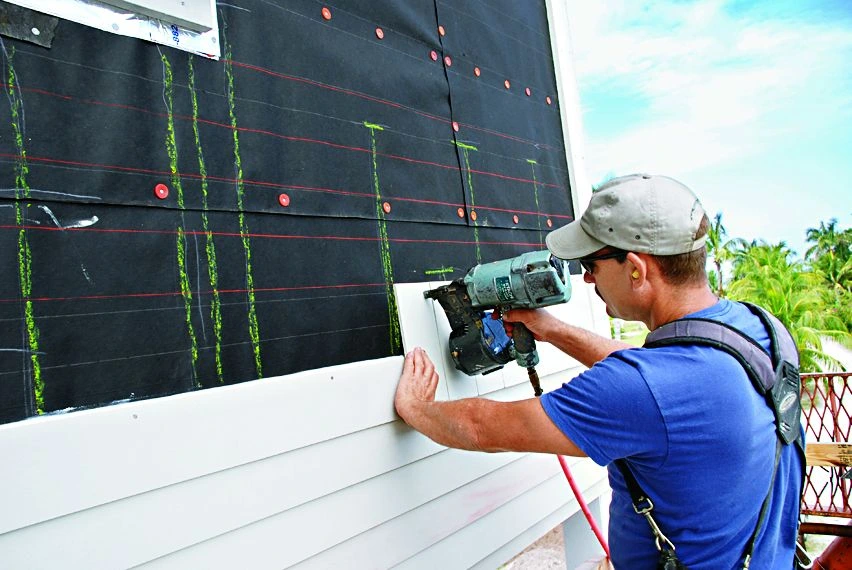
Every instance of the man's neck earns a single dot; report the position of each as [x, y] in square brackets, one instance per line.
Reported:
[680, 301]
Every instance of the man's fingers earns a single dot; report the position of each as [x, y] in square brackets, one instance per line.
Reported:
[419, 365]
[408, 364]
[428, 366]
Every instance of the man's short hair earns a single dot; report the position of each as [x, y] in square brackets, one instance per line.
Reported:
[686, 268]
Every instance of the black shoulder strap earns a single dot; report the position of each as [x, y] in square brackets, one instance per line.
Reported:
[748, 353]
[775, 376]
[782, 345]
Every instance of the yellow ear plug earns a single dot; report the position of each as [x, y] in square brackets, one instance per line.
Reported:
[635, 274]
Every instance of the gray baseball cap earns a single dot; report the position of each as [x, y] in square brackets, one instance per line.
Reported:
[639, 212]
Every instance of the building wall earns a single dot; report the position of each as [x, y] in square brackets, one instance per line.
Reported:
[310, 469]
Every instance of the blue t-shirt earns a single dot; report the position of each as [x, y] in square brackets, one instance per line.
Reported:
[701, 443]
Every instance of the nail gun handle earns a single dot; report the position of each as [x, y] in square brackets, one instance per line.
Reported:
[525, 353]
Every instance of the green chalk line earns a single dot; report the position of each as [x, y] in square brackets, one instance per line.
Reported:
[441, 271]
[384, 245]
[25, 262]
[535, 195]
[466, 155]
[254, 328]
[464, 145]
[171, 149]
[210, 248]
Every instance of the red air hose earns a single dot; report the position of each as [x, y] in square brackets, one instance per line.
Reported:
[583, 506]
[577, 495]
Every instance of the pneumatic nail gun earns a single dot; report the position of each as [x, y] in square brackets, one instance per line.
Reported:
[478, 343]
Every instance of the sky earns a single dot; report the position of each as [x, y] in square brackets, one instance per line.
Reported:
[749, 103]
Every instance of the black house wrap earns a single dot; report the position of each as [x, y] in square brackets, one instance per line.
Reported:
[170, 222]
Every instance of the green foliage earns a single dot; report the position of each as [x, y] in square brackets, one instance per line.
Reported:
[769, 276]
[830, 257]
[831, 254]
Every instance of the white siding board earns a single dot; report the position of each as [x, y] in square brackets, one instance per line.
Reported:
[434, 337]
[539, 529]
[249, 509]
[514, 526]
[187, 513]
[342, 515]
[417, 531]
[126, 449]
[419, 327]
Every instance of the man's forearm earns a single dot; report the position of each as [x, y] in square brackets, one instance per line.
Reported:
[450, 423]
[479, 424]
[583, 345]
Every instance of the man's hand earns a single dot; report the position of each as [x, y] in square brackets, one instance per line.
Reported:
[582, 345]
[539, 322]
[418, 382]
[476, 424]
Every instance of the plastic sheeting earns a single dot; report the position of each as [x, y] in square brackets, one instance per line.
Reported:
[170, 223]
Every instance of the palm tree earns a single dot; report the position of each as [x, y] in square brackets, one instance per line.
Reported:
[828, 239]
[767, 275]
[831, 257]
[715, 235]
[720, 251]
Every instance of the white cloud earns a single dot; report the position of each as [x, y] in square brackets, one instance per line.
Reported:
[695, 65]
[717, 91]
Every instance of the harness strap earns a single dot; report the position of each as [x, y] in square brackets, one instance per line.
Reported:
[719, 335]
[764, 509]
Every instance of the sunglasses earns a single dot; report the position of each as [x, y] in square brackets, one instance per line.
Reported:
[588, 263]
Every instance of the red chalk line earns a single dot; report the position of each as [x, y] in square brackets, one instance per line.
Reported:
[149, 171]
[306, 139]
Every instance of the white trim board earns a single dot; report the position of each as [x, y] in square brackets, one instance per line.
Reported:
[189, 27]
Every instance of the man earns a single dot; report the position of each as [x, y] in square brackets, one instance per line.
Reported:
[695, 433]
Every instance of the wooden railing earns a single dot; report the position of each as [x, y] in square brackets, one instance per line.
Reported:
[826, 411]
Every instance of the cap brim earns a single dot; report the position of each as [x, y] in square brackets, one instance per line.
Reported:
[572, 242]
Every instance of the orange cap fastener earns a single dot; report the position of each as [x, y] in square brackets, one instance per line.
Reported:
[161, 191]
[326, 13]
[284, 200]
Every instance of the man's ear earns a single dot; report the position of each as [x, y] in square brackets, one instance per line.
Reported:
[637, 265]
